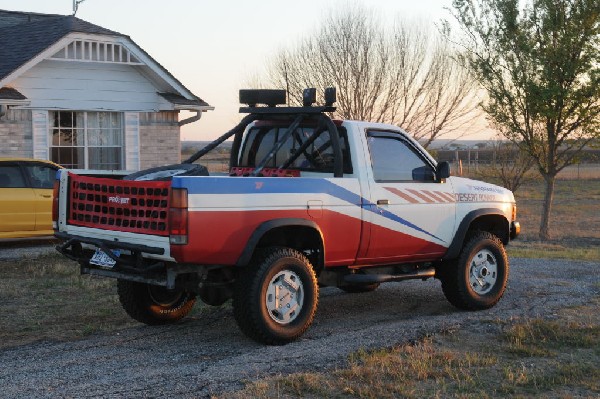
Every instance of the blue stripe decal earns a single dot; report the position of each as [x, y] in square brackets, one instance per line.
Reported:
[282, 185]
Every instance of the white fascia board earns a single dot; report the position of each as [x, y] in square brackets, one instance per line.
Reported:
[202, 108]
[156, 69]
[15, 103]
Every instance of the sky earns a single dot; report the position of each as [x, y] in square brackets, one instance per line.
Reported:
[215, 47]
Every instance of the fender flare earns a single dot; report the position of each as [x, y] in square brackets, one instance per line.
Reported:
[459, 237]
[269, 225]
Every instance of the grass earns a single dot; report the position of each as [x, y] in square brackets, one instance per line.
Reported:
[574, 221]
[46, 298]
[526, 358]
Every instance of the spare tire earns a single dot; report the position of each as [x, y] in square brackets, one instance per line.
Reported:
[162, 173]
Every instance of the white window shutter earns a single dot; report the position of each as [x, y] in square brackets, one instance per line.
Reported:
[40, 133]
[132, 141]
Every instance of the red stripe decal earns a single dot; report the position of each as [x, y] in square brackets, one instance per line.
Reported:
[420, 195]
[435, 197]
[402, 195]
[447, 195]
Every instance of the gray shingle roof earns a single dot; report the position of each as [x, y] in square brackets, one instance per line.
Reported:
[20, 43]
[8, 93]
[25, 35]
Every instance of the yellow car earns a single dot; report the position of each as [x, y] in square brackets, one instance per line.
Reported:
[26, 197]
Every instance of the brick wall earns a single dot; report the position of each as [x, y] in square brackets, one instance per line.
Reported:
[16, 139]
[160, 143]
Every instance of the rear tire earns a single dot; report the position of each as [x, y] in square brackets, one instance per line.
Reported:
[276, 296]
[152, 304]
[477, 279]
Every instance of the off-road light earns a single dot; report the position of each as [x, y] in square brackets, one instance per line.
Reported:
[269, 97]
[330, 96]
[309, 97]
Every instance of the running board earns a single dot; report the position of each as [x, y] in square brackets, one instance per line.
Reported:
[384, 278]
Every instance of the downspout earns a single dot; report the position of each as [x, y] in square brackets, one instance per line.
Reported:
[191, 119]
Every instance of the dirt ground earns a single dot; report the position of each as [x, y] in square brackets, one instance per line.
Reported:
[207, 355]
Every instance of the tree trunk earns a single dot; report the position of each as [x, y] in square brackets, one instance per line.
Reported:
[544, 233]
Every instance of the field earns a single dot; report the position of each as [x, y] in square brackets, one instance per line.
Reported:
[45, 299]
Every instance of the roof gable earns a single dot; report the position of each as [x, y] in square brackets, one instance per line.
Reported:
[20, 43]
[24, 36]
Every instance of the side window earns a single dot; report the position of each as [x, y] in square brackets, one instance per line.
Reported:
[41, 176]
[395, 160]
[11, 177]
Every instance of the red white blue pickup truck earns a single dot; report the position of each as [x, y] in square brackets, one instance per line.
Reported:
[308, 202]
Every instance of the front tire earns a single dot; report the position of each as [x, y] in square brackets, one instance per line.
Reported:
[477, 279]
[154, 305]
[276, 296]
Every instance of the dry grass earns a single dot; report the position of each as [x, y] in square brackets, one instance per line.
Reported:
[575, 221]
[527, 358]
[46, 298]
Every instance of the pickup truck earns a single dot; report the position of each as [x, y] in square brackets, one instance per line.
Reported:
[308, 202]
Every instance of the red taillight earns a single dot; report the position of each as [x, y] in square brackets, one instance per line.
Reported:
[55, 204]
[178, 217]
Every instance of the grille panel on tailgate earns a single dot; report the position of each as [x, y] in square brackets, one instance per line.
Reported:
[131, 206]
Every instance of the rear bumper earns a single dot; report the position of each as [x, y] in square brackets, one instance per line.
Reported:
[515, 230]
[133, 266]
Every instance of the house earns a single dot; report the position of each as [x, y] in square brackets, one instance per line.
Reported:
[86, 97]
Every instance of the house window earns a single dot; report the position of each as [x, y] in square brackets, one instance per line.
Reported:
[87, 140]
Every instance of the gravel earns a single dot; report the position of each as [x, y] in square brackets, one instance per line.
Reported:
[16, 249]
[206, 355]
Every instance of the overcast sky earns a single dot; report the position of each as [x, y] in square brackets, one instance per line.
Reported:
[213, 47]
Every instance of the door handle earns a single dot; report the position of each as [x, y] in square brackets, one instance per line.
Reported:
[47, 195]
[383, 202]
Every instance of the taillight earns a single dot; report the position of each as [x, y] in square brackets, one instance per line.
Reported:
[55, 204]
[178, 217]
[514, 212]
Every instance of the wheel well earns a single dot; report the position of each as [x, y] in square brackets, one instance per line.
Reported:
[495, 224]
[301, 238]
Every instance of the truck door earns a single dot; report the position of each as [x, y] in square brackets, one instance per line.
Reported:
[411, 214]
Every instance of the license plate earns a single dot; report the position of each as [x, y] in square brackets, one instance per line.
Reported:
[100, 258]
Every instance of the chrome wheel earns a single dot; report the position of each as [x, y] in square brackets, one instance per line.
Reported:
[483, 272]
[284, 297]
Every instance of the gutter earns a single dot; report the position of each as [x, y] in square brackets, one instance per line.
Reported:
[192, 119]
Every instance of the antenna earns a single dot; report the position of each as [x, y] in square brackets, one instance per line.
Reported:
[76, 5]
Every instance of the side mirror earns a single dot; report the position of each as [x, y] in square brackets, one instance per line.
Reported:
[442, 171]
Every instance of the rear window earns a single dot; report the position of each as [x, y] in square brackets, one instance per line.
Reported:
[318, 156]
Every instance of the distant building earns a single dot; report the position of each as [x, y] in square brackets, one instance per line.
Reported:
[86, 97]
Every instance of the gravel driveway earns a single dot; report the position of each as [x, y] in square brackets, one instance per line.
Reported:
[204, 356]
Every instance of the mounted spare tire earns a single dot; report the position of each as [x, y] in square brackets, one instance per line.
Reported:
[163, 173]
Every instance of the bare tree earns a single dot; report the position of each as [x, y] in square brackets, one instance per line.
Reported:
[403, 75]
[511, 164]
